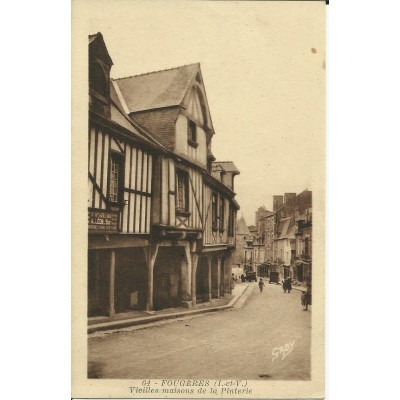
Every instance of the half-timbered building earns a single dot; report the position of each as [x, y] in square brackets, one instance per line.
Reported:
[120, 167]
[194, 210]
[161, 210]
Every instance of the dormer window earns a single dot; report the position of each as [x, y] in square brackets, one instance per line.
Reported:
[192, 133]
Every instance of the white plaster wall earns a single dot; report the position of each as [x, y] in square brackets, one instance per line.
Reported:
[182, 146]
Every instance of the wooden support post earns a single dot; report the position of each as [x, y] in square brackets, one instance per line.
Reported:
[150, 254]
[209, 293]
[218, 277]
[111, 308]
[228, 273]
[186, 277]
[195, 259]
[222, 276]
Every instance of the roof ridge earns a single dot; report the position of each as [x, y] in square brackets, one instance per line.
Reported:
[154, 72]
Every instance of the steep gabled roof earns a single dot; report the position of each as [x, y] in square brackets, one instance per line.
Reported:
[158, 89]
[98, 46]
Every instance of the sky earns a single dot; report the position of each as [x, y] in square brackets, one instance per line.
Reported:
[263, 67]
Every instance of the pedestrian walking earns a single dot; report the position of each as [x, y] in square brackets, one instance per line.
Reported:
[233, 282]
[261, 285]
[242, 277]
[305, 298]
[284, 287]
[288, 284]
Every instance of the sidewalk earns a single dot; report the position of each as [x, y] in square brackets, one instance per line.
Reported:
[133, 318]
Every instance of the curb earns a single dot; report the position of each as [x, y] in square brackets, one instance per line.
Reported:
[147, 320]
[300, 289]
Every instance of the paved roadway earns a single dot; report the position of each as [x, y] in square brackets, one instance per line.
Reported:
[243, 343]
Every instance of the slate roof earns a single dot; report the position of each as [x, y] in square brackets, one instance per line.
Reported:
[284, 227]
[227, 166]
[161, 124]
[157, 89]
[119, 117]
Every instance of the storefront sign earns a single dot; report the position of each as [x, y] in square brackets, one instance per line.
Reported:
[103, 221]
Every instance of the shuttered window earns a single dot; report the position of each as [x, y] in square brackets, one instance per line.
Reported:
[192, 134]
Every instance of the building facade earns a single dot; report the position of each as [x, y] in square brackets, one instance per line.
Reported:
[241, 255]
[287, 236]
[303, 257]
[161, 223]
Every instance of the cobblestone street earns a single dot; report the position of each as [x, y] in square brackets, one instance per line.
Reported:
[267, 338]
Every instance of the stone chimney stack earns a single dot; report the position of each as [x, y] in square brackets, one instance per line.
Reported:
[277, 202]
[290, 202]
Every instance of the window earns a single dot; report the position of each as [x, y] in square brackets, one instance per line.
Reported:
[221, 213]
[182, 191]
[192, 133]
[231, 222]
[214, 211]
[306, 246]
[116, 178]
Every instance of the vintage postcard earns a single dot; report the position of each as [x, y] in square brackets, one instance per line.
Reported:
[198, 199]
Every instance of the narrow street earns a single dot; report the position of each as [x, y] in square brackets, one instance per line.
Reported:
[239, 343]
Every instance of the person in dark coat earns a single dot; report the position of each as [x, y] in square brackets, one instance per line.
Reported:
[288, 284]
[284, 286]
[243, 278]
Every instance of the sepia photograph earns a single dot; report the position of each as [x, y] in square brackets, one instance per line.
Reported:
[199, 235]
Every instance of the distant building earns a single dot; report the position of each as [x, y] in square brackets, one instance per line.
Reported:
[244, 254]
[269, 233]
[303, 256]
[282, 243]
[285, 247]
